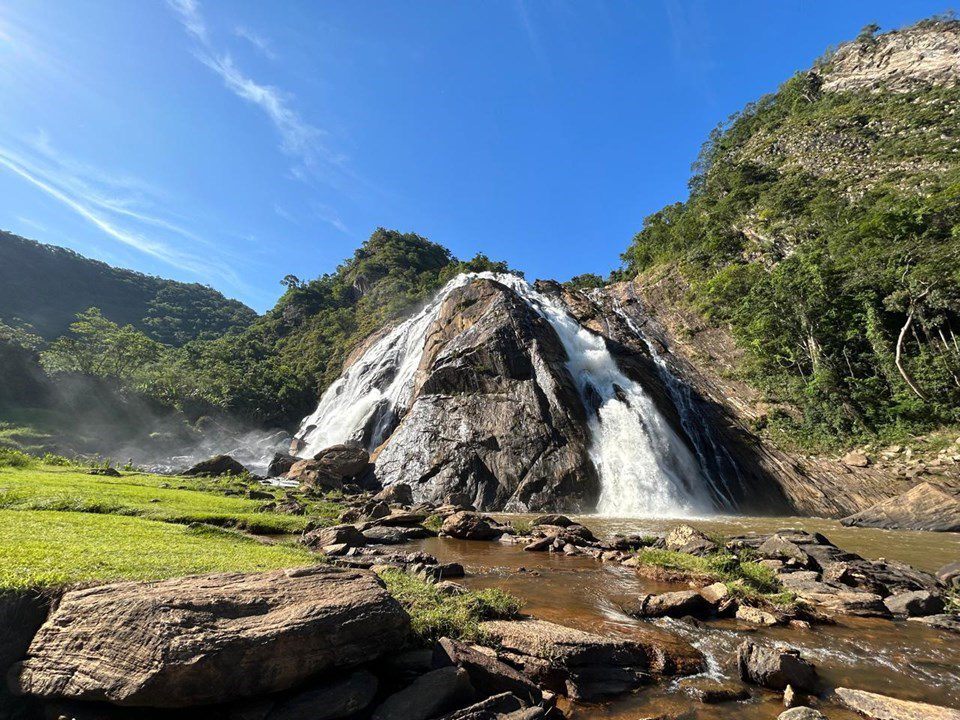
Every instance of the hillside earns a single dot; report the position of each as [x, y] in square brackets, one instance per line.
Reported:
[168, 311]
[822, 233]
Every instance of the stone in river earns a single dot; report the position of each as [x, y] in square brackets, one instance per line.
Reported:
[437, 692]
[915, 603]
[775, 667]
[882, 707]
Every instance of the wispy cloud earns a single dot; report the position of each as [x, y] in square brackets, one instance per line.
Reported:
[299, 138]
[262, 44]
[329, 216]
[116, 205]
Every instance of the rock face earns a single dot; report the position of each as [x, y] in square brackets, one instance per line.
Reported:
[343, 461]
[882, 707]
[924, 507]
[209, 639]
[775, 667]
[494, 412]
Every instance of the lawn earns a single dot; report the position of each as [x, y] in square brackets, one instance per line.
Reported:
[49, 548]
[170, 499]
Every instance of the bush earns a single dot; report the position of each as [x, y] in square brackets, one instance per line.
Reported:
[15, 458]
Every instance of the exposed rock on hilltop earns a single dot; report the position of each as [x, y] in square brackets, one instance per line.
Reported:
[926, 54]
[495, 413]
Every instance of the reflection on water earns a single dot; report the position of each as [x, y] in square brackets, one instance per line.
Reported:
[906, 660]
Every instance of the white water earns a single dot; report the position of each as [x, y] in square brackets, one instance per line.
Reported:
[645, 469]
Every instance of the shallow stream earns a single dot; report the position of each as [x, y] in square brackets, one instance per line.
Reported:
[901, 659]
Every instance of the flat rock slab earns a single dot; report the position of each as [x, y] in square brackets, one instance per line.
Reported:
[883, 707]
[209, 639]
[568, 647]
[924, 507]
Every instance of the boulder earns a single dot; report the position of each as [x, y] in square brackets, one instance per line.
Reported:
[756, 616]
[856, 458]
[470, 526]
[567, 647]
[280, 464]
[216, 466]
[775, 667]
[309, 473]
[801, 713]
[558, 520]
[401, 517]
[382, 535]
[672, 604]
[949, 575]
[338, 698]
[503, 706]
[338, 534]
[710, 692]
[882, 707]
[459, 499]
[687, 539]
[488, 675]
[400, 493]
[715, 593]
[923, 507]
[858, 604]
[343, 461]
[916, 603]
[777, 547]
[591, 683]
[211, 638]
[430, 695]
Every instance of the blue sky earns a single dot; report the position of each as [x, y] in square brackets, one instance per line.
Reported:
[232, 143]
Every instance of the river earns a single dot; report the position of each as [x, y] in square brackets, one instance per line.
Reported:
[901, 659]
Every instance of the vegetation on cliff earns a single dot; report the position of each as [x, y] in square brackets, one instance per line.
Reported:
[823, 228]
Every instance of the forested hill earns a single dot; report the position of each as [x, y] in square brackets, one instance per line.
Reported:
[823, 230]
[46, 287]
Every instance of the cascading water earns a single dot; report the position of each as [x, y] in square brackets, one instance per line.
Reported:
[645, 469]
[716, 463]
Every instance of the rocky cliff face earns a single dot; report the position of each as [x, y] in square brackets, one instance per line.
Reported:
[494, 412]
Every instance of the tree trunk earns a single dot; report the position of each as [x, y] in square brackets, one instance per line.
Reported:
[898, 357]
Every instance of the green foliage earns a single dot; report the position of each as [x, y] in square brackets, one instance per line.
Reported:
[816, 258]
[167, 311]
[434, 615]
[586, 281]
[434, 523]
[41, 549]
[745, 577]
[10, 458]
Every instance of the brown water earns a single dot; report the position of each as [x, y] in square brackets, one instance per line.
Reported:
[902, 659]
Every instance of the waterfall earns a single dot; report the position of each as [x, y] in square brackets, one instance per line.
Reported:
[645, 468]
[716, 463]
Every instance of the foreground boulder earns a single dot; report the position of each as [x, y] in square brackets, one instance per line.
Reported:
[216, 466]
[209, 639]
[280, 464]
[916, 603]
[671, 604]
[470, 526]
[429, 695]
[343, 461]
[487, 674]
[687, 539]
[924, 507]
[338, 698]
[882, 707]
[775, 667]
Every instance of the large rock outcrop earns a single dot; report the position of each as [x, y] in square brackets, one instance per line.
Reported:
[495, 413]
[209, 639]
[924, 507]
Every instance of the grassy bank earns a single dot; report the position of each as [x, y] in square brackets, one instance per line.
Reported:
[60, 525]
[44, 549]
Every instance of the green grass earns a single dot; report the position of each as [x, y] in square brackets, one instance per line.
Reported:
[434, 523]
[42, 549]
[434, 615]
[745, 578]
[183, 500]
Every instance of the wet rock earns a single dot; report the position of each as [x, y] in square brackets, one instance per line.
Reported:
[951, 623]
[859, 604]
[924, 507]
[107, 472]
[442, 571]
[337, 535]
[801, 713]
[775, 667]
[399, 493]
[381, 535]
[209, 639]
[567, 647]
[401, 517]
[334, 699]
[433, 694]
[687, 539]
[595, 682]
[216, 466]
[503, 706]
[470, 526]
[671, 604]
[756, 616]
[488, 675]
[343, 461]
[540, 545]
[883, 707]
[914, 604]
[710, 691]
[280, 464]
